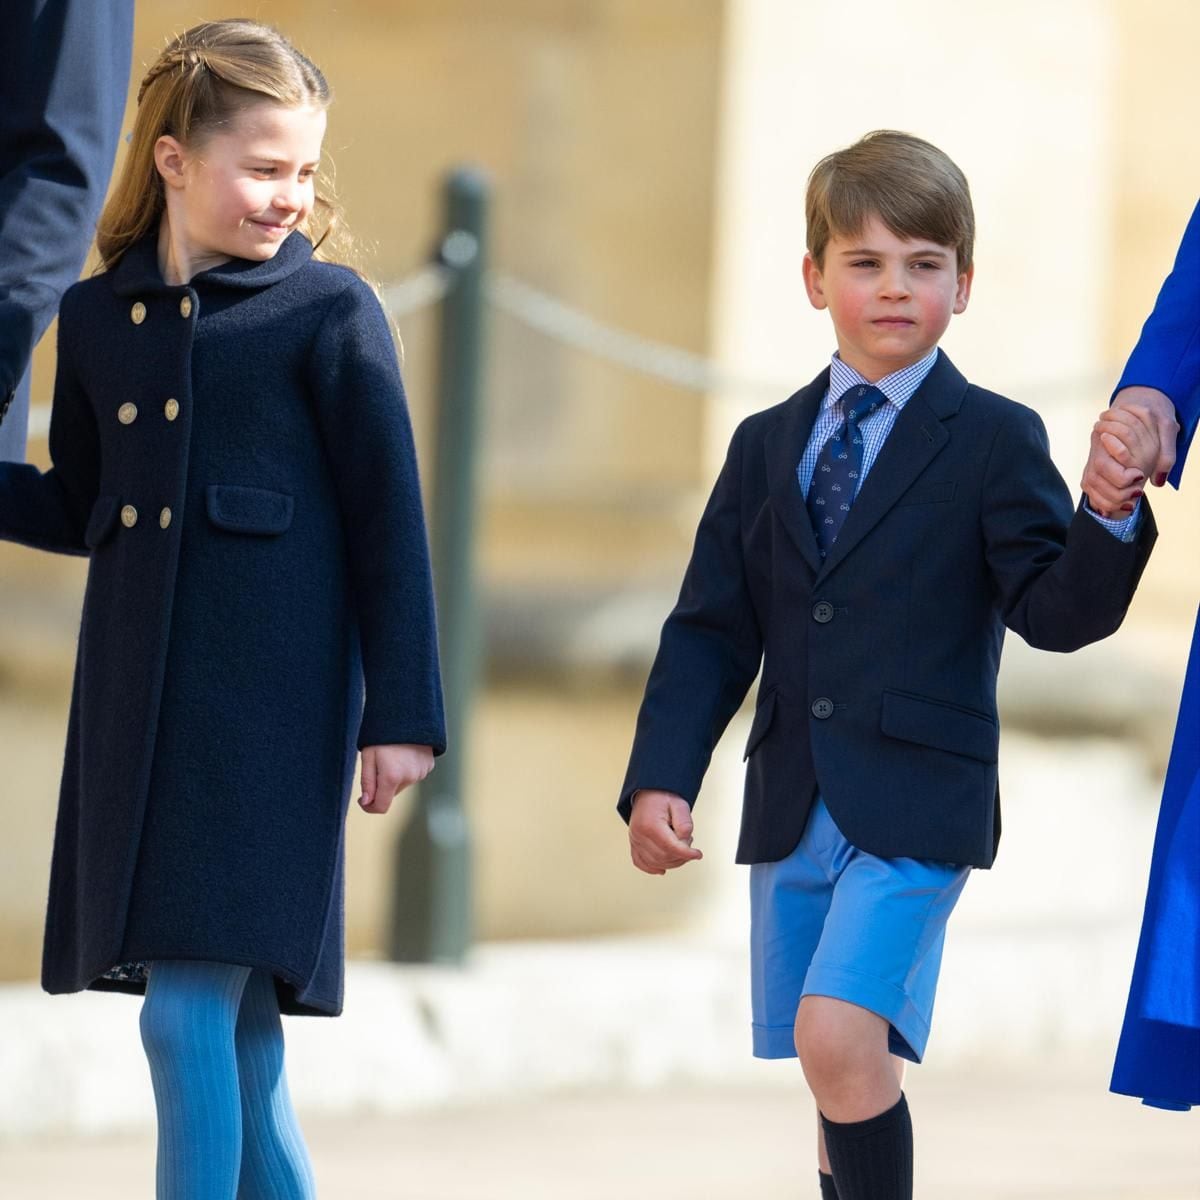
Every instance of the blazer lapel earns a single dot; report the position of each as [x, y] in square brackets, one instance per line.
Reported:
[916, 439]
[785, 447]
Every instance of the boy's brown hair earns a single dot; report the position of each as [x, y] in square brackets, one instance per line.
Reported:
[910, 185]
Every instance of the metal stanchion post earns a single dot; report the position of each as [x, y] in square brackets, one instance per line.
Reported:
[431, 920]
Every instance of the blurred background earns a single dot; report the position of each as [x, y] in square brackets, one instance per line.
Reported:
[646, 162]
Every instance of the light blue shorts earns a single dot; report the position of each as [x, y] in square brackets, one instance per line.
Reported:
[832, 920]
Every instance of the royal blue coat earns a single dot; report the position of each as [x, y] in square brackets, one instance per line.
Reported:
[236, 457]
[1158, 1057]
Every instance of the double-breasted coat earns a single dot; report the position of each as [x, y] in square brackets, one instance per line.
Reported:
[236, 457]
[1158, 1057]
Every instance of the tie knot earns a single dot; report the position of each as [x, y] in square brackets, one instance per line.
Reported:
[861, 401]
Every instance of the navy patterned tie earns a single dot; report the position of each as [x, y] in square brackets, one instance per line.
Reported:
[835, 477]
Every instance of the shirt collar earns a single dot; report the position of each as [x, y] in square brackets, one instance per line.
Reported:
[898, 387]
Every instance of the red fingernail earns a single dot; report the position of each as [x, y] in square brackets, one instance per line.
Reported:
[1137, 495]
[1160, 479]
[1127, 508]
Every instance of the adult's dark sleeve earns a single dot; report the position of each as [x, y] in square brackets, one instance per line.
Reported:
[64, 73]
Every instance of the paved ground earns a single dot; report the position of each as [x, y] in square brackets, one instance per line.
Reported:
[984, 1134]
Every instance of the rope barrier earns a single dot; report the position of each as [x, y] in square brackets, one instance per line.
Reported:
[563, 323]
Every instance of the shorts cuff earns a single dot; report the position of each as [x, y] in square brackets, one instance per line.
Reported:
[774, 1041]
[909, 1030]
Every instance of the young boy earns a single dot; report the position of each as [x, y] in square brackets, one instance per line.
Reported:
[867, 541]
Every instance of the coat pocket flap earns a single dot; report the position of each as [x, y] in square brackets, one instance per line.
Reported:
[763, 716]
[941, 726]
[101, 522]
[248, 509]
[928, 493]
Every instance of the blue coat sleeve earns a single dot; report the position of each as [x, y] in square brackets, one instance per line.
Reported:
[363, 416]
[1167, 355]
[64, 74]
[49, 510]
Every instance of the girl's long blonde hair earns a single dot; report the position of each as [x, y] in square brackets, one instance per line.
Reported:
[198, 85]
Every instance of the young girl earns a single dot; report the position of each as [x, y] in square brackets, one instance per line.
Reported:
[230, 445]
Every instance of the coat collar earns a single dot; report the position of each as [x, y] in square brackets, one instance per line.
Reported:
[137, 273]
[917, 437]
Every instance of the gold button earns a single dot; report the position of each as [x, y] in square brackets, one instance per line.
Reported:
[127, 414]
[185, 307]
[129, 516]
[171, 408]
[164, 518]
[137, 314]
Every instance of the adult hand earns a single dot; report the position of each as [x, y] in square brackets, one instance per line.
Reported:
[388, 770]
[660, 832]
[1111, 485]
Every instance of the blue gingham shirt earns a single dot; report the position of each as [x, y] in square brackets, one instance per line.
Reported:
[898, 388]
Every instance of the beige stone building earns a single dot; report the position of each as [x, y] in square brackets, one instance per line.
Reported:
[648, 160]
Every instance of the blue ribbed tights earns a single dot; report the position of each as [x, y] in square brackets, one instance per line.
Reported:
[226, 1128]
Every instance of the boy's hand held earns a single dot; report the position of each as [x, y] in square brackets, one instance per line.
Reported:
[660, 832]
[388, 770]
[1125, 449]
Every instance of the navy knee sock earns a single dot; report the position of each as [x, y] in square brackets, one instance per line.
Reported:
[226, 1128]
[872, 1159]
[828, 1188]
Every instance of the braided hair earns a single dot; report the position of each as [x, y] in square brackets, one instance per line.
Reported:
[198, 85]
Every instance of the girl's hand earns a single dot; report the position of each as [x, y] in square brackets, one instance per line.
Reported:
[388, 770]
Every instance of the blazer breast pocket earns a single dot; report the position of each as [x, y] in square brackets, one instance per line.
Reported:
[928, 493]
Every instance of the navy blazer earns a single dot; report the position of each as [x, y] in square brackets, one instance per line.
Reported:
[879, 664]
[1159, 1053]
[64, 73]
[236, 458]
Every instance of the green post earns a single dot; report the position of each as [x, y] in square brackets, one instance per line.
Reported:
[432, 890]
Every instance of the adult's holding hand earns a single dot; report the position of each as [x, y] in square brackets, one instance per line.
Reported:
[1158, 1057]
[64, 73]
[1110, 478]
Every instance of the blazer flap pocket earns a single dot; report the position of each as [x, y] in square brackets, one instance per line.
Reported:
[248, 509]
[928, 493]
[101, 522]
[941, 726]
[763, 716]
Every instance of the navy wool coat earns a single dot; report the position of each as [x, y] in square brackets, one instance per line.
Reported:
[236, 457]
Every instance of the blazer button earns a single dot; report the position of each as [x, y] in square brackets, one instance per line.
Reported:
[129, 516]
[137, 314]
[185, 307]
[822, 612]
[164, 518]
[822, 708]
[171, 409]
[127, 414]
